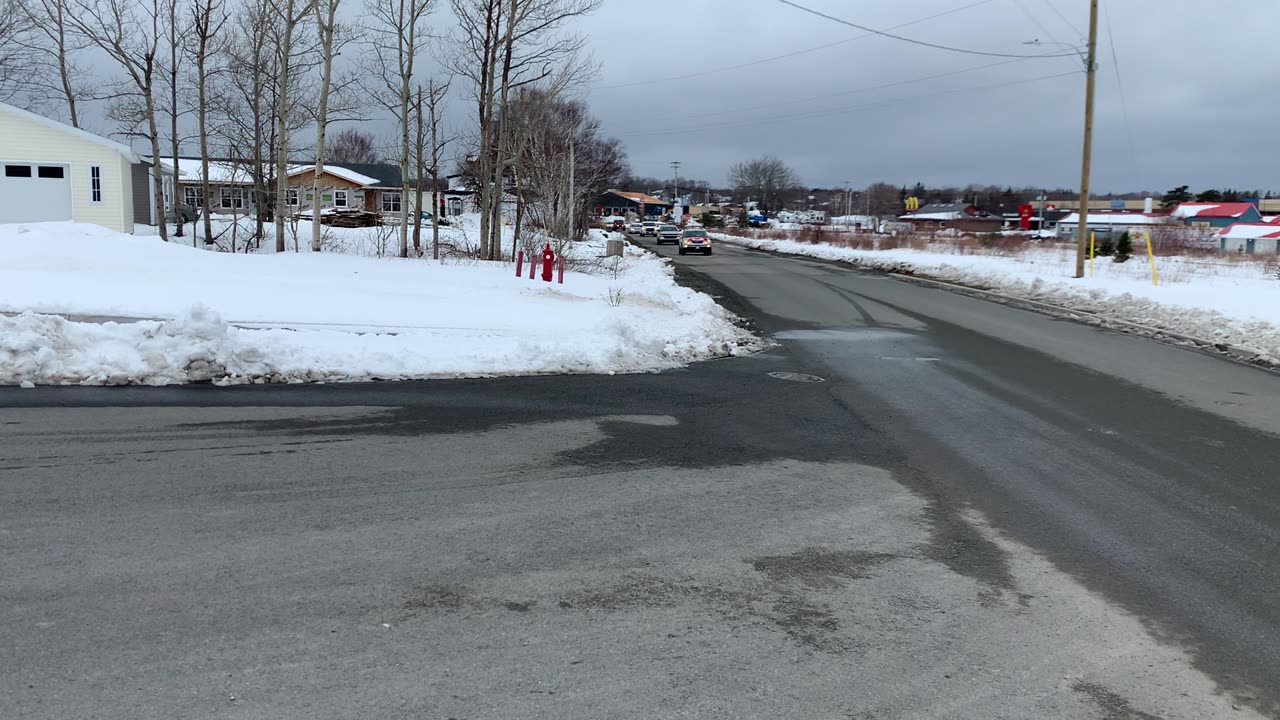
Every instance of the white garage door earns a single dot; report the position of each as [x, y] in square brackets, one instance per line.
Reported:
[31, 192]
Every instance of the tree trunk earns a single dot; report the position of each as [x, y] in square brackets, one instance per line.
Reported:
[280, 202]
[326, 28]
[173, 113]
[437, 206]
[157, 180]
[203, 118]
[419, 151]
[63, 74]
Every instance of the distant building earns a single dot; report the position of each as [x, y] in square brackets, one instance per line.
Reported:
[619, 202]
[1217, 215]
[1250, 238]
[1111, 225]
[964, 217]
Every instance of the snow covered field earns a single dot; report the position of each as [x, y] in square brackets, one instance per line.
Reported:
[289, 317]
[1225, 299]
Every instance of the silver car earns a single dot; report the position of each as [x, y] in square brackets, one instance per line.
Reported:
[668, 233]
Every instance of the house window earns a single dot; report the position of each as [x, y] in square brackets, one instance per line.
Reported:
[339, 198]
[455, 206]
[95, 183]
[391, 202]
[232, 198]
[293, 196]
[50, 171]
[191, 196]
[17, 171]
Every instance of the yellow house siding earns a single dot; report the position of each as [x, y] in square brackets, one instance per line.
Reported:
[26, 140]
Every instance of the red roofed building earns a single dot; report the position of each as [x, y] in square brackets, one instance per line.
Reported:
[1250, 238]
[1219, 215]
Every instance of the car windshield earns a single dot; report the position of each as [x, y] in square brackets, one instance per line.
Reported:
[668, 228]
[694, 233]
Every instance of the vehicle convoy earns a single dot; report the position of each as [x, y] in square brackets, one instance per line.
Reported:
[696, 239]
[668, 233]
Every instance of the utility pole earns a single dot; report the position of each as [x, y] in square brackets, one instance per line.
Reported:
[573, 202]
[1091, 65]
[675, 200]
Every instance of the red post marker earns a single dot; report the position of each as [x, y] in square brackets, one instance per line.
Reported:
[548, 259]
[520, 264]
[561, 270]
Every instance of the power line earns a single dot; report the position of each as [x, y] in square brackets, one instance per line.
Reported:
[823, 96]
[1026, 11]
[795, 53]
[1065, 19]
[1124, 104]
[922, 43]
[842, 110]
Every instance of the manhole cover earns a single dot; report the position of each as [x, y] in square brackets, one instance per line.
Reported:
[795, 377]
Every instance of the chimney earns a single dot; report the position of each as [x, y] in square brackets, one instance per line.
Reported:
[1147, 205]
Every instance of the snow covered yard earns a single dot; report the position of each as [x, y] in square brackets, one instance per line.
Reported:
[291, 317]
[1226, 299]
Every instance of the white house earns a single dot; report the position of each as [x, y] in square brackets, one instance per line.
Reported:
[53, 171]
[1111, 224]
[1250, 238]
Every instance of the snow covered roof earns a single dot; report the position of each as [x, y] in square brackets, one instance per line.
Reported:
[933, 216]
[225, 172]
[1219, 210]
[77, 132]
[1251, 231]
[1117, 219]
[339, 171]
[640, 197]
[1271, 219]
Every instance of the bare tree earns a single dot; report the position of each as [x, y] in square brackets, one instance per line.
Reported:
[561, 190]
[45, 52]
[764, 178]
[171, 70]
[289, 46]
[427, 158]
[130, 33]
[398, 31]
[504, 45]
[208, 17]
[332, 38]
[351, 145]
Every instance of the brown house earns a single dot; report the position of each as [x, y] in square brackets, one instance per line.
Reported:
[962, 217]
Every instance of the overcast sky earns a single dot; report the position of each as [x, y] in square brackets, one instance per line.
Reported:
[1197, 83]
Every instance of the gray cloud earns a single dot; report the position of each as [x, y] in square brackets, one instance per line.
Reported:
[1196, 88]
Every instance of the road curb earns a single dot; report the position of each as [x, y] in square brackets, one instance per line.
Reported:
[1248, 356]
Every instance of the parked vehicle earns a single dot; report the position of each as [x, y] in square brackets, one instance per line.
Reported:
[695, 240]
[668, 233]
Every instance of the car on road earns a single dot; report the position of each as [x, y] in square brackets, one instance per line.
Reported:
[667, 233]
[618, 225]
[649, 227]
[634, 227]
[696, 239]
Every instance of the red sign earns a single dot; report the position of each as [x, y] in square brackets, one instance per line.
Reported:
[1024, 214]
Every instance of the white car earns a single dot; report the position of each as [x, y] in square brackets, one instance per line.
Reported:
[649, 227]
[668, 232]
[635, 227]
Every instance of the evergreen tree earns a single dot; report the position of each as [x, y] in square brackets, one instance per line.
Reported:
[1124, 247]
[1209, 195]
[1105, 247]
[1230, 195]
[1176, 196]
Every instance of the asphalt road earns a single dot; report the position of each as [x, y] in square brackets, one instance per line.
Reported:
[978, 512]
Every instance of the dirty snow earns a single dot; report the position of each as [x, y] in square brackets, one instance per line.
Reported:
[287, 317]
[1221, 299]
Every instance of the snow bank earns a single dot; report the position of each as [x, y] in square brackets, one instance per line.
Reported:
[315, 316]
[1221, 300]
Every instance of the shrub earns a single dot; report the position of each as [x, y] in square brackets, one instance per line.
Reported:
[1124, 247]
[1104, 248]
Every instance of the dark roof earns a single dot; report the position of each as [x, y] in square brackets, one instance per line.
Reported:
[945, 207]
[386, 174]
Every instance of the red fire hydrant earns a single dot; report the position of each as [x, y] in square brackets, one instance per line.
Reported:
[548, 261]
